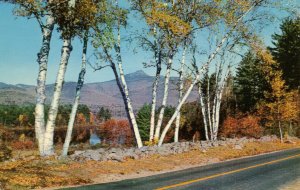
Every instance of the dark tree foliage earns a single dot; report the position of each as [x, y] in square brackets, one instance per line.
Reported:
[103, 114]
[192, 121]
[286, 51]
[23, 115]
[10, 114]
[143, 121]
[250, 83]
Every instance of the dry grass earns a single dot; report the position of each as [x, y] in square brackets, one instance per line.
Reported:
[37, 173]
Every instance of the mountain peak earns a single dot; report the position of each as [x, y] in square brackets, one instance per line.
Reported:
[137, 75]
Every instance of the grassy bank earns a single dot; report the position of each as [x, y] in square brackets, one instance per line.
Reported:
[33, 172]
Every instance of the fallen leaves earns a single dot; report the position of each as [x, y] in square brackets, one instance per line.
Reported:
[41, 173]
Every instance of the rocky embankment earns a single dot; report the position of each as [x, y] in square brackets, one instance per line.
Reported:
[119, 154]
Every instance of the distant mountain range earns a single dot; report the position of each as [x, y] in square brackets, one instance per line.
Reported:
[96, 94]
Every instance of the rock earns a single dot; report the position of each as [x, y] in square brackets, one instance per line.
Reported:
[215, 144]
[238, 147]
[144, 149]
[78, 152]
[268, 138]
[115, 157]
[113, 150]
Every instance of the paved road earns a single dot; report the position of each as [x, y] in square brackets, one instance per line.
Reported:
[264, 172]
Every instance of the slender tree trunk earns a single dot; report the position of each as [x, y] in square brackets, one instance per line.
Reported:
[80, 83]
[204, 112]
[210, 123]
[219, 95]
[49, 134]
[165, 98]
[291, 129]
[184, 98]
[211, 57]
[157, 54]
[154, 99]
[126, 91]
[119, 84]
[181, 74]
[41, 82]
[280, 131]
[205, 66]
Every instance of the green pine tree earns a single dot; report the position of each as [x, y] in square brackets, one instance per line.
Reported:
[286, 51]
[143, 121]
[249, 83]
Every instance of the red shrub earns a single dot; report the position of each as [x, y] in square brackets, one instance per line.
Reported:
[243, 126]
[116, 132]
[22, 145]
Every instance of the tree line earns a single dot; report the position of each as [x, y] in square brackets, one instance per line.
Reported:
[15, 116]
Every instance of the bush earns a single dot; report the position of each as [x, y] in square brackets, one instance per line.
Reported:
[23, 145]
[5, 152]
[245, 126]
[116, 132]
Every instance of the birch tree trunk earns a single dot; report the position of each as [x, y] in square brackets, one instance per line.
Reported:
[157, 53]
[120, 86]
[154, 99]
[210, 58]
[204, 112]
[163, 135]
[219, 95]
[80, 83]
[205, 66]
[165, 98]
[126, 91]
[49, 133]
[280, 131]
[41, 81]
[181, 74]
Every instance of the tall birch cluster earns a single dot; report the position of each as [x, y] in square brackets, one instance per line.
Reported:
[173, 28]
[72, 19]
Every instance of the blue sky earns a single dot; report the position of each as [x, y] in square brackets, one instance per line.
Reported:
[20, 41]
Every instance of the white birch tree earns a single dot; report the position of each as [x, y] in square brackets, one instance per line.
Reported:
[77, 96]
[233, 25]
[46, 23]
[72, 18]
[107, 42]
[180, 91]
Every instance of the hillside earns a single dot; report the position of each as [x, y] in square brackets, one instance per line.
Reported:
[95, 94]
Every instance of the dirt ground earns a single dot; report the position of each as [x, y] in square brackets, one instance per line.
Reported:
[36, 173]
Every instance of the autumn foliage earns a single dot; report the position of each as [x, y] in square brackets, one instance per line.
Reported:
[242, 126]
[117, 132]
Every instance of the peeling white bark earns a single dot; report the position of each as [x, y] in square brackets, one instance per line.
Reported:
[203, 110]
[157, 54]
[205, 66]
[165, 97]
[163, 135]
[80, 83]
[41, 81]
[126, 91]
[181, 74]
[49, 133]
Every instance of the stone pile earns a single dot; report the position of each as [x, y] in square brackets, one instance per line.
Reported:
[119, 154]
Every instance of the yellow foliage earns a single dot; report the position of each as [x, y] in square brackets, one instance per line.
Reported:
[151, 143]
[22, 137]
[174, 24]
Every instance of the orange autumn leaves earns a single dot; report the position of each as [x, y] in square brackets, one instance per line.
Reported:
[280, 104]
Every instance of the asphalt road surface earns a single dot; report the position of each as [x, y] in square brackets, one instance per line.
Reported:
[264, 172]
